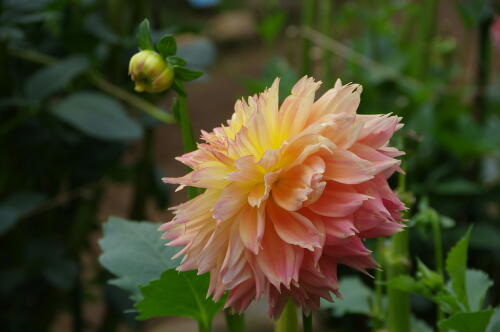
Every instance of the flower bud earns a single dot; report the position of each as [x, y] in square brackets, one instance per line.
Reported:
[150, 72]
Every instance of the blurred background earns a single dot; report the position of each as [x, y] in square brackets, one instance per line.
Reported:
[77, 144]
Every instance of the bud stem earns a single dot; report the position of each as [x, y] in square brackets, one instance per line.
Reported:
[234, 322]
[288, 321]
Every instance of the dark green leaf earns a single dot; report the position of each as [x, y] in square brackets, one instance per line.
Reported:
[54, 78]
[477, 284]
[185, 74]
[144, 40]
[97, 115]
[167, 46]
[179, 294]
[15, 205]
[456, 264]
[467, 321]
[135, 253]
[355, 298]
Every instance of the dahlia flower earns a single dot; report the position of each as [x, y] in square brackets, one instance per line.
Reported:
[291, 192]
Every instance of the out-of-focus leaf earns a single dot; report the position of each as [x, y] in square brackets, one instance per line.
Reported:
[135, 253]
[14, 206]
[54, 78]
[144, 40]
[477, 284]
[61, 274]
[97, 115]
[167, 46]
[456, 265]
[467, 321]
[355, 298]
[418, 325]
[179, 294]
[203, 3]
[472, 11]
[457, 187]
[271, 26]
[94, 24]
[494, 324]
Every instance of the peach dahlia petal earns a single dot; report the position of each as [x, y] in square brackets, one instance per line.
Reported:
[291, 192]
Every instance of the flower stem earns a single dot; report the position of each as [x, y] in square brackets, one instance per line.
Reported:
[438, 255]
[202, 327]
[235, 322]
[288, 321]
[326, 18]
[377, 310]
[397, 262]
[187, 134]
[307, 322]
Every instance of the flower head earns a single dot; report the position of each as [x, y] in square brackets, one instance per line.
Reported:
[291, 192]
[150, 72]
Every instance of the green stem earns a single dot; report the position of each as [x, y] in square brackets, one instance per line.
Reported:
[326, 17]
[378, 315]
[288, 321]
[483, 67]
[438, 255]
[398, 307]
[202, 327]
[187, 134]
[307, 322]
[106, 86]
[307, 21]
[234, 322]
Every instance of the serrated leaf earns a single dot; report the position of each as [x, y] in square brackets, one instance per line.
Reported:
[54, 78]
[456, 264]
[167, 46]
[97, 115]
[135, 253]
[467, 321]
[355, 297]
[477, 284]
[144, 40]
[179, 294]
[185, 74]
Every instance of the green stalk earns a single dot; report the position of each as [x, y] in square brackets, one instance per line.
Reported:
[423, 42]
[288, 321]
[398, 307]
[326, 18]
[438, 254]
[234, 322]
[202, 327]
[308, 7]
[483, 67]
[377, 312]
[307, 322]
[187, 134]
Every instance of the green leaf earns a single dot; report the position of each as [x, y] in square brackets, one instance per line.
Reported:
[456, 264]
[167, 46]
[494, 325]
[144, 40]
[467, 321]
[185, 74]
[97, 115]
[15, 205]
[54, 78]
[477, 284]
[178, 86]
[271, 26]
[355, 298]
[179, 294]
[176, 61]
[135, 253]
